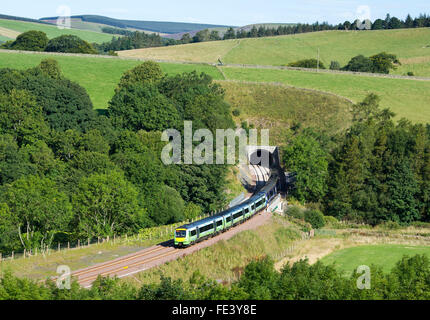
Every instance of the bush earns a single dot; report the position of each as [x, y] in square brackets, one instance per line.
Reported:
[236, 112]
[331, 222]
[390, 225]
[359, 64]
[70, 44]
[411, 74]
[334, 65]
[315, 218]
[30, 41]
[295, 212]
[307, 63]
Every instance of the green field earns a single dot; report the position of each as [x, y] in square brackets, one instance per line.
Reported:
[4, 39]
[208, 52]
[98, 75]
[407, 98]
[53, 31]
[384, 256]
[410, 45]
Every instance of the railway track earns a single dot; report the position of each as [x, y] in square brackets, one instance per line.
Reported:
[150, 257]
[127, 265]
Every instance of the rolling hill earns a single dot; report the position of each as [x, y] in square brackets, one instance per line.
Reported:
[52, 31]
[154, 26]
[412, 46]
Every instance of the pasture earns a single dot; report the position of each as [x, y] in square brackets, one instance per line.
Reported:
[208, 52]
[99, 76]
[407, 98]
[410, 45]
[385, 256]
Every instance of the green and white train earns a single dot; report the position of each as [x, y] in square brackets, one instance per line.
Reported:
[192, 233]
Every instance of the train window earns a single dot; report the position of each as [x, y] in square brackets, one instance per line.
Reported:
[206, 228]
[193, 233]
[228, 219]
[219, 223]
[181, 233]
[246, 210]
[237, 215]
[253, 207]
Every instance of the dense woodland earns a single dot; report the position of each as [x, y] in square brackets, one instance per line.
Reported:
[377, 170]
[68, 173]
[408, 280]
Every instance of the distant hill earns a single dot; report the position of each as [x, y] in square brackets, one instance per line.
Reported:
[154, 26]
[7, 17]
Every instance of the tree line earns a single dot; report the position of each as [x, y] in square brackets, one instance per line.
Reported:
[68, 172]
[408, 280]
[257, 32]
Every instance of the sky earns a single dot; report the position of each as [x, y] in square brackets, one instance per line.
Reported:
[223, 12]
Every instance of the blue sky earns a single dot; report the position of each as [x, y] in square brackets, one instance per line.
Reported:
[227, 12]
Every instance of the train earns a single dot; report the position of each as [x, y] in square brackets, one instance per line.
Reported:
[190, 234]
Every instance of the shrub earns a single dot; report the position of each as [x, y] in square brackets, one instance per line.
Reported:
[331, 222]
[334, 65]
[30, 41]
[70, 44]
[359, 64]
[411, 74]
[236, 112]
[315, 218]
[307, 63]
[390, 225]
[295, 212]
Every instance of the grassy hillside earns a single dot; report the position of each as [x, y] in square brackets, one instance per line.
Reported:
[98, 75]
[277, 108]
[384, 256]
[53, 31]
[203, 52]
[410, 45]
[407, 98]
[4, 39]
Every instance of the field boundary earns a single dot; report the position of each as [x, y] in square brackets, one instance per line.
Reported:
[228, 65]
[286, 86]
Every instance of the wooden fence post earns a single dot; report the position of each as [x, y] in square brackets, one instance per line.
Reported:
[13, 253]
[59, 246]
[79, 243]
[24, 253]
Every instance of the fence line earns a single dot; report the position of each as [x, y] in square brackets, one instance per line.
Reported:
[149, 234]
